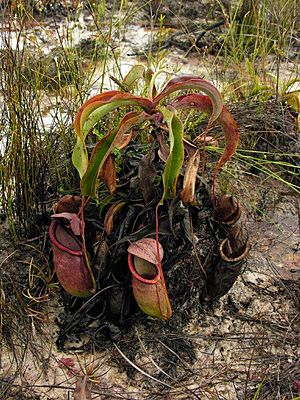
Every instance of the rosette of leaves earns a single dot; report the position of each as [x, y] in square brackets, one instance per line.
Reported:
[155, 109]
[158, 110]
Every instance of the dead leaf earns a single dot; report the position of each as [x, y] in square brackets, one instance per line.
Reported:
[124, 140]
[189, 181]
[164, 150]
[109, 217]
[108, 174]
[100, 261]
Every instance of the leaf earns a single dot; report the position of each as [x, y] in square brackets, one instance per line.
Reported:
[91, 112]
[82, 389]
[296, 386]
[176, 154]
[190, 148]
[69, 364]
[109, 216]
[293, 100]
[80, 157]
[194, 82]
[288, 86]
[98, 106]
[225, 120]
[136, 72]
[104, 148]
[148, 76]
[108, 174]
[75, 223]
[68, 203]
[163, 151]
[189, 181]
[123, 141]
[101, 261]
[146, 249]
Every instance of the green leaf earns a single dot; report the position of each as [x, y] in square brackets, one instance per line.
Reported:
[176, 154]
[136, 72]
[80, 157]
[104, 148]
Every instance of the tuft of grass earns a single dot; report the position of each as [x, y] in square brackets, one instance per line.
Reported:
[41, 93]
[269, 164]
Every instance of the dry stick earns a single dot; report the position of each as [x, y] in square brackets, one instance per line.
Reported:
[199, 262]
[298, 209]
[204, 135]
[173, 352]
[209, 28]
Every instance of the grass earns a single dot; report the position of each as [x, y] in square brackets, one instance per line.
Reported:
[36, 153]
[263, 163]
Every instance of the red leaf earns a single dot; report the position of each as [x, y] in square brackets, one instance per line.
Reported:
[225, 119]
[296, 385]
[69, 364]
[114, 98]
[196, 83]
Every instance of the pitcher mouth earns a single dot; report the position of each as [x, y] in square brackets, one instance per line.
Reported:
[140, 278]
[53, 237]
[244, 251]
